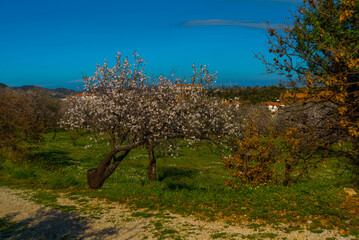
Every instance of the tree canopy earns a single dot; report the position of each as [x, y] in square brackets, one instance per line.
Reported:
[318, 53]
[131, 109]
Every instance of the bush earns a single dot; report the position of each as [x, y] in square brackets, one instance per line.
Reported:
[253, 160]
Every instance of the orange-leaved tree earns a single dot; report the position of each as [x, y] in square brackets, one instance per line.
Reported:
[252, 162]
[317, 53]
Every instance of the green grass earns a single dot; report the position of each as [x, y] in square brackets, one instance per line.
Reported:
[7, 227]
[220, 235]
[190, 184]
[260, 236]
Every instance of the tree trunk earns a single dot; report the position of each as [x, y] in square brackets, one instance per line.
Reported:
[152, 162]
[95, 179]
[55, 131]
[287, 172]
[97, 176]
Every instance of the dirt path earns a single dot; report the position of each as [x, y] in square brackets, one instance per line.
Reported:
[84, 218]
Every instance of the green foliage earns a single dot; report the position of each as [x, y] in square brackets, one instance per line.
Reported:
[332, 29]
[253, 95]
[318, 54]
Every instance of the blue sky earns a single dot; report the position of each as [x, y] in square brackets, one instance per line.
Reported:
[51, 43]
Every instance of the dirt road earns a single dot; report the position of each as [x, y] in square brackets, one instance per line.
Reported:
[82, 218]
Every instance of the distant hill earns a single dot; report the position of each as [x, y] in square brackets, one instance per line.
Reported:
[3, 85]
[57, 93]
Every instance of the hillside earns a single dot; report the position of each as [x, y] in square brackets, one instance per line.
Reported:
[57, 93]
[2, 85]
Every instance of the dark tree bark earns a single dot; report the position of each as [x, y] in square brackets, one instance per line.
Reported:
[97, 176]
[55, 132]
[287, 172]
[152, 162]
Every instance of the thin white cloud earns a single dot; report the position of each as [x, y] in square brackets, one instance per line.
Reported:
[288, 1]
[220, 22]
[75, 81]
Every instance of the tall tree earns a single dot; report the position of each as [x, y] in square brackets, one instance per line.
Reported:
[317, 53]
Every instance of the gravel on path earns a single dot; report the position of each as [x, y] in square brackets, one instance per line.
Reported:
[22, 218]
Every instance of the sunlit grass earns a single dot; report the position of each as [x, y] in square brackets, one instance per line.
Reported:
[190, 184]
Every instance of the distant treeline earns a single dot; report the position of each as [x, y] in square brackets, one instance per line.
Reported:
[253, 95]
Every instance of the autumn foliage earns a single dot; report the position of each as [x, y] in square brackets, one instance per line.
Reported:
[252, 163]
[317, 53]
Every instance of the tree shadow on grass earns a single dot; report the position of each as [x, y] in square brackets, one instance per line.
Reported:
[53, 158]
[178, 178]
[52, 224]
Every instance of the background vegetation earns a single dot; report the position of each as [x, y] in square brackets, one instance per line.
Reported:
[252, 95]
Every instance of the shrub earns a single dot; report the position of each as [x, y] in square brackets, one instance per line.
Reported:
[252, 163]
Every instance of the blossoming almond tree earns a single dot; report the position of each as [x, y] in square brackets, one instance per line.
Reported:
[133, 109]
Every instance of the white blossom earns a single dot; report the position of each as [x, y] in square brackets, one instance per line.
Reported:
[127, 106]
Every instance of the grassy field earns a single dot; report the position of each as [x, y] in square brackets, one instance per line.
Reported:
[190, 184]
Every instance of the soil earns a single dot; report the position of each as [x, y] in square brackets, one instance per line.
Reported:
[86, 218]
